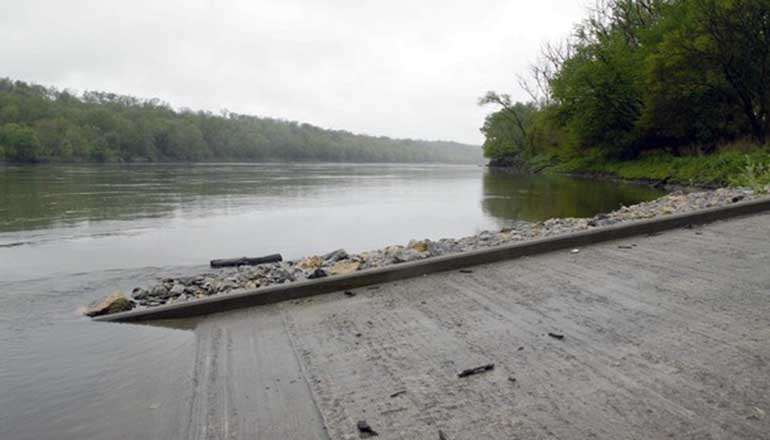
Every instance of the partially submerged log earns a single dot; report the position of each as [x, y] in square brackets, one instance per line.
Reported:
[246, 261]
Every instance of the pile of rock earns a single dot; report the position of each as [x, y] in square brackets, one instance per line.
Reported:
[339, 262]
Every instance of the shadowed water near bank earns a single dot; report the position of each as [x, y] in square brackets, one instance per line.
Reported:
[537, 198]
[70, 234]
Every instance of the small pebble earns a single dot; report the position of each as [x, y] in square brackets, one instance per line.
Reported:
[364, 428]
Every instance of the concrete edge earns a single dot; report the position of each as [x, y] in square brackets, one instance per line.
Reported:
[303, 289]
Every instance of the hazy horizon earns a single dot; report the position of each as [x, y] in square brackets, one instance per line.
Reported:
[395, 70]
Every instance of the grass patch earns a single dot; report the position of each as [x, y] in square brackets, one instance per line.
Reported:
[728, 166]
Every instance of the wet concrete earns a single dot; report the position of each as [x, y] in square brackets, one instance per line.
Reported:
[665, 336]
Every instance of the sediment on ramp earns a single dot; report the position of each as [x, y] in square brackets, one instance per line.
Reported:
[664, 336]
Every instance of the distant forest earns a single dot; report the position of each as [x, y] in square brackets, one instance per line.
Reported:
[39, 124]
[670, 78]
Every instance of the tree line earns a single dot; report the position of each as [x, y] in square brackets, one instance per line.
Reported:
[41, 124]
[641, 77]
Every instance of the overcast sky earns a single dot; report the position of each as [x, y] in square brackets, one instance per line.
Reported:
[395, 68]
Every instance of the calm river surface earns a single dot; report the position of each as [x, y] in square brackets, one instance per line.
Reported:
[70, 234]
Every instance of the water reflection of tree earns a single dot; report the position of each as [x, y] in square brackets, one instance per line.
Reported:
[534, 198]
[43, 196]
[39, 196]
[35, 197]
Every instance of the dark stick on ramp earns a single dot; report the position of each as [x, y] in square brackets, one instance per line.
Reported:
[246, 261]
[477, 370]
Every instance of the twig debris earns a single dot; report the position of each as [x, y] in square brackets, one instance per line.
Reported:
[477, 370]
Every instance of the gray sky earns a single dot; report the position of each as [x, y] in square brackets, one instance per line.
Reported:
[393, 68]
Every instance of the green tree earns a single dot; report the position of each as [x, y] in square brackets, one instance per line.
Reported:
[101, 126]
[20, 143]
[642, 75]
[732, 39]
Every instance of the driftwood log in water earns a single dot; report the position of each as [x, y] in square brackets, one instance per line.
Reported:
[246, 261]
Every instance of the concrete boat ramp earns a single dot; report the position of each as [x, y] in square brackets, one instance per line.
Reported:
[664, 336]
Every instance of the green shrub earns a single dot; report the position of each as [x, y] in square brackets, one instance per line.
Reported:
[727, 166]
[755, 174]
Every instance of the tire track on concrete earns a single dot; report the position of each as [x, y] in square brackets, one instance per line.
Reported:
[653, 349]
[247, 382]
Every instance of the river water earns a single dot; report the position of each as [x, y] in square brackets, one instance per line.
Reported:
[71, 234]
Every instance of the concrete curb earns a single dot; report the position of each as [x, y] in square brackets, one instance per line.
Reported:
[303, 289]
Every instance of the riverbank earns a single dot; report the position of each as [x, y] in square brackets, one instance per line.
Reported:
[220, 282]
[730, 167]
